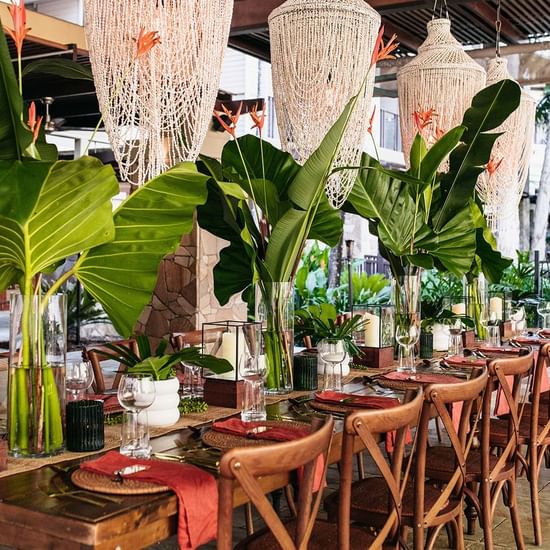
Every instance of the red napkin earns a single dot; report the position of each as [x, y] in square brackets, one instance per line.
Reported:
[471, 361]
[497, 349]
[235, 426]
[544, 332]
[532, 340]
[352, 400]
[111, 404]
[197, 492]
[425, 378]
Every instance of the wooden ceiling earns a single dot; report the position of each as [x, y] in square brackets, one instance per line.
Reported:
[473, 22]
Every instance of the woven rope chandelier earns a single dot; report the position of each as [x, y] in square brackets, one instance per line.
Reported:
[441, 77]
[501, 187]
[157, 109]
[320, 55]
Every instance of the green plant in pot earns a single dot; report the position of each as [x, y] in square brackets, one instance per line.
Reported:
[162, 367]
[317, 322]
[425, 218]
[51, 210]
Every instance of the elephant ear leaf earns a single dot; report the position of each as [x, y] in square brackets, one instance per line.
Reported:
[122, 274]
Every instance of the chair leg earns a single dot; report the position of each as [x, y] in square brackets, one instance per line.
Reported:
[248, 519]
[486, 519]
[360, 465]
[533, 475]
[289, 495]
[460, 532]
[470, 511]
[450, 528]
[514, 514]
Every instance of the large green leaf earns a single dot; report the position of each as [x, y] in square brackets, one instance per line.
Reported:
[52, 211]
[64, 68]
[489, 109]
[122, 274]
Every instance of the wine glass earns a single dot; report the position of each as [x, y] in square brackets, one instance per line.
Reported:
[543, 309]
[78, 378]
[135, 394]
[332, 351]
[407, 333]
[252, 370]
[456, 345]
[517, 318]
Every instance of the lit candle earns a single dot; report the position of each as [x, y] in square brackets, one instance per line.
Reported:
[372, 330]
[459, 309]
[496, 307]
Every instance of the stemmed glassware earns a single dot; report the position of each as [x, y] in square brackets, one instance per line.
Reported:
[78, 378]
[252, 369]
[517, 318]
[333, 352]
[456, 345]
[407, 333]
[135, 394]
[543, 309]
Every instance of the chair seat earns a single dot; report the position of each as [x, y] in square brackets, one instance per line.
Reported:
[499, 431]
[440, 463]
[324, 535]
[370, 497]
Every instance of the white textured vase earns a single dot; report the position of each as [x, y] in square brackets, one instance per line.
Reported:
[164, 410]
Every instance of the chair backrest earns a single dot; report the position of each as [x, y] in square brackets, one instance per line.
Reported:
[98, 354]
[367, 425]
[505, 375]
[180, 340]
[539, 432]
[245, 464]
[453, 405]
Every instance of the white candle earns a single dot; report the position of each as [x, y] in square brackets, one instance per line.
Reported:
[441, 337]
[459, 309]
[372, 330]
[228, 351]
[496, 307]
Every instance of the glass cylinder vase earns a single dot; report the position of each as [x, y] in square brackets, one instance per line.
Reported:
[275, 310]
[477, 303]
[36, 382]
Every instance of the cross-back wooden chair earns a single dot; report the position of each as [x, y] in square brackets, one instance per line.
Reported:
[367, 426]
[488, 473]
[425, 505]
[533, 433]
[95, 355]
[246, 464]
[452, 404]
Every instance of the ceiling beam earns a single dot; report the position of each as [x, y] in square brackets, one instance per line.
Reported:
[404, 37]
[486, 12]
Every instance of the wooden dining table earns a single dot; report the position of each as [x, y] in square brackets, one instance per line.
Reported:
[31, 519]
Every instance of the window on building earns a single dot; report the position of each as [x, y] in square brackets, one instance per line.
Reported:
[390, 137]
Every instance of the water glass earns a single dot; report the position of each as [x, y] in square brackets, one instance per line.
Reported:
[252, 371]
[517, 319]
[407, 333]
[333, 352]
[135, 394]
[543, 309]
[193, 385]
[79, 377]
[456, 345]
[493, 336]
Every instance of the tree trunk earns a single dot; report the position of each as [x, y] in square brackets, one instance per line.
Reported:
[538, 240]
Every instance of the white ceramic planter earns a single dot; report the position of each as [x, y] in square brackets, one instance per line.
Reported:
[164, 410]
[321, 365]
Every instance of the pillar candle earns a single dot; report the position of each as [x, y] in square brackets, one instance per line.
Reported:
[496, 307]
[459, 309]
[372, 330]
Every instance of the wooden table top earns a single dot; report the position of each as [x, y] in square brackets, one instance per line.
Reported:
[31, 519]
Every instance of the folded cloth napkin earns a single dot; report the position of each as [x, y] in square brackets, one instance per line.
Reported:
[258, 430]
[424, 378]
[532, 340]
[544, 332]
[499, 350]
[471, 360]
[111, 404]
[353, 400]
[197, 492]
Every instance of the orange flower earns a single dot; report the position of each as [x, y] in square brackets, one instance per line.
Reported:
[493, 165]
[19, 18]
[146, 41]
[233, 118]
[423, 119]
[258, 120]
[382, 52]
[439, 133]
[33, 122]
[371, 120]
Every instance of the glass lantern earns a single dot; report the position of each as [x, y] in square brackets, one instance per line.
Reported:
[500, 304]
[380, 329]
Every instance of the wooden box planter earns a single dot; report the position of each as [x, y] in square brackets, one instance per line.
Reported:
[468, 338]
[375, 357]
[223, 393]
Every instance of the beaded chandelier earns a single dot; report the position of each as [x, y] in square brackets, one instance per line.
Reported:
[320, 54]
[157, 109]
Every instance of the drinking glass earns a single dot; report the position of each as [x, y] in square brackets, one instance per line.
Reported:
[78, 378]
[456, 345]
[135, 394]
[543, 309]
[517, 319]
[407, 333]
[333, 352]
[493, 336]
[252, 370]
